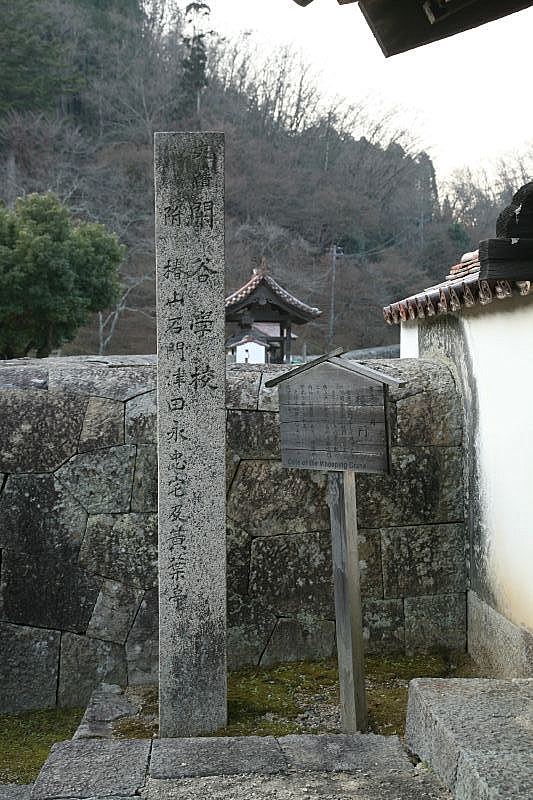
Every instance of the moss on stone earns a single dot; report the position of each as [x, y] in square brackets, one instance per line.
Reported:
[144, 725]
[135, 728]
[26, 739]
[388, 679]
[145, 698]
[270, 701]
[274, 690]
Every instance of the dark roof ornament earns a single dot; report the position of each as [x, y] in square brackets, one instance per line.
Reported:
[509, 257]
[500, 268]
[516, 221]
[262, 269]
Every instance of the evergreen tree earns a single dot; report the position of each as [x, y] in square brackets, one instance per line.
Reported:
[33, 72]
[195, 61]
[128, 8]
[54, 272]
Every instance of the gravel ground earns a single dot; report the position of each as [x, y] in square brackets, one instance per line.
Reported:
[301, 786]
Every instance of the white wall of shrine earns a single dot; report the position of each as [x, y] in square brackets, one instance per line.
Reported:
[500, 342]
[409, 341]
[491, 348]
[250, 353]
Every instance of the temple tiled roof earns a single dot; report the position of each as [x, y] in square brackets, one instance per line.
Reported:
[499, 269]
[261, 276]
[461, 289]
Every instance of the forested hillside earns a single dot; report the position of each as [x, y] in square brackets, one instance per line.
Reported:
[85, 83]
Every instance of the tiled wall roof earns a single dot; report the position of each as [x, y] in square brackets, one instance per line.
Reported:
[461, 289]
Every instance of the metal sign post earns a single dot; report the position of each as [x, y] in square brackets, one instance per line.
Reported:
[333, 417]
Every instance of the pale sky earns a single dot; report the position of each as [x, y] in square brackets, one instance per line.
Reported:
[468, 96]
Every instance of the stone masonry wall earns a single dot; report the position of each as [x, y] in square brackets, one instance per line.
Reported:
[78, 528]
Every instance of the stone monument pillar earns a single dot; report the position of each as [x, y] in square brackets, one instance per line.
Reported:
[189, 228]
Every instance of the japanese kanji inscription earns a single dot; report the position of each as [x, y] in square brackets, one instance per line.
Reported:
[332, 419]
[189, 183]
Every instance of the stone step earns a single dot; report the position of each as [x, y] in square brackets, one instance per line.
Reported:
[15, 791]
[477, 735]
[266, 755]
[107, 704]
[333, 767]
[87, 768]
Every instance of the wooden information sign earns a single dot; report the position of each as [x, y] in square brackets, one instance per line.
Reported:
[333, 417]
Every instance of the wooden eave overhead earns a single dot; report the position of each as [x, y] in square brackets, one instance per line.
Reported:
[401, 25]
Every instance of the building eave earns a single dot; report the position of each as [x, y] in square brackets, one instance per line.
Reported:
[290, 304]
[452, 296]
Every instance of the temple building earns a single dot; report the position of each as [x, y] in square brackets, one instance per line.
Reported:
[264, 312]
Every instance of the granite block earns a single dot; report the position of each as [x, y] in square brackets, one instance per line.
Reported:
[183, 758]
[122, 547]
[383, 626]
[28, 668]
[266, 499]
[304, 639]
[85, 664]
[425, 486]
[344, 753]
[111, 381]
[242, 387]
[103, 425]
[144, 495]
[485, 724]
[115, 610]
[499, 646]
[141, 419]
[423, 560]
[435, 623]
[142, 645]
[39, 430]
[250, 626]
[292, 574]
[101, 480]
[86, 768]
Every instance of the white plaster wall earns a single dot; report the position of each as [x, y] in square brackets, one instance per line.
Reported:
[409, 340]
[500, 340]
[250, 353]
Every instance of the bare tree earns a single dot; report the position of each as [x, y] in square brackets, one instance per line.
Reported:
[107, 324]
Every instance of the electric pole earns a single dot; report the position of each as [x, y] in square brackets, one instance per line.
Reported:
[335, 252]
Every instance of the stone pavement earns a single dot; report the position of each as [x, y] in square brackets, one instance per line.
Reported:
[476, 734]
[330, 767]
[14, 791]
